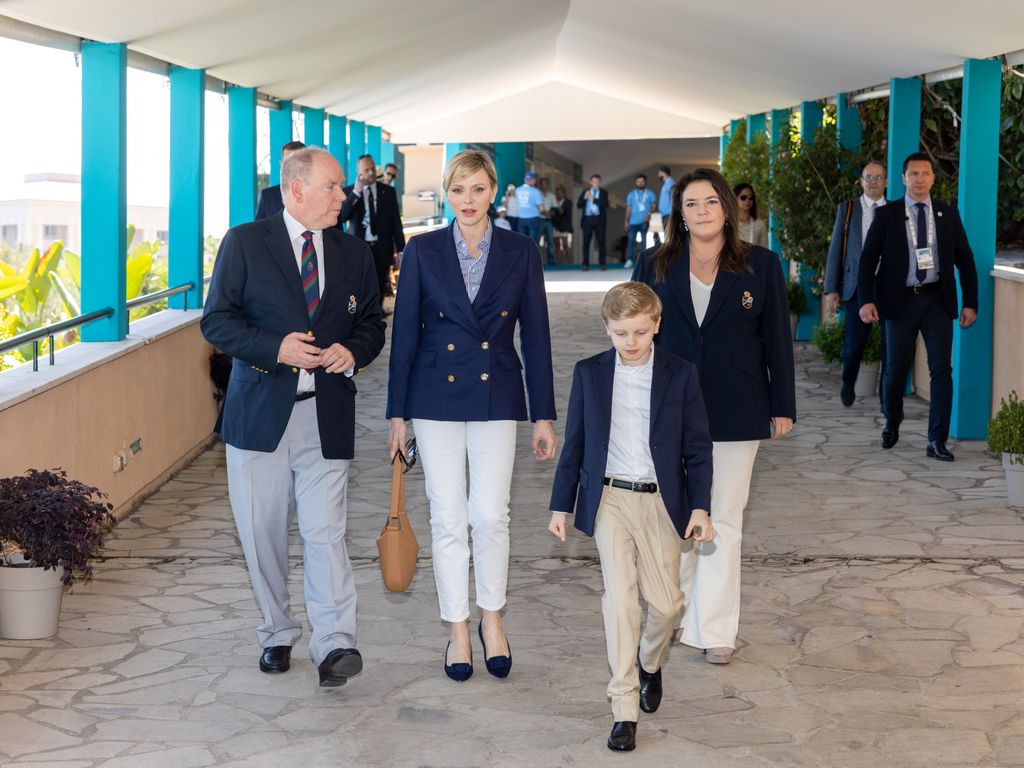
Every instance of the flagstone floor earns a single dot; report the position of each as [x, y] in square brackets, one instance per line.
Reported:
[881, 624]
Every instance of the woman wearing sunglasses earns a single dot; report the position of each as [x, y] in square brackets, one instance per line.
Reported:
[455, 372]
[751, 229]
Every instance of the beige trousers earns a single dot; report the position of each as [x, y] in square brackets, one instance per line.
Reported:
[639, 548]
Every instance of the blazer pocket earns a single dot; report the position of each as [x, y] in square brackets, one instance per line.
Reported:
[425, 359]
[755, 368]
[245, 373]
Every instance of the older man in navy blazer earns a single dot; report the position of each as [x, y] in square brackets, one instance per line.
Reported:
[294, 302]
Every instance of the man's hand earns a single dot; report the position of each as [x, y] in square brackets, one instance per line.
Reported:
[298, 350]
[588, 195]
[544, 440]
[967, 317]
[396, 437]
[557, 524]
[869, 313]
[699, 517]
[337, 358]
[832, 302]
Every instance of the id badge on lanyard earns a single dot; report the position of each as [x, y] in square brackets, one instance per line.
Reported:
[641, 202]
[925, 256]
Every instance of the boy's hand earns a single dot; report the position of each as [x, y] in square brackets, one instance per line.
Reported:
[557, 524]
[699, 517]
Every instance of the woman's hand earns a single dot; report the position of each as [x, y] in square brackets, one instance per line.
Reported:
[781, 426]
[557, 524]
[396, 437]
[699, 519]
[544, 440]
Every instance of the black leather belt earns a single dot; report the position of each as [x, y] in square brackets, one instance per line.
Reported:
[305, 395]
[630, 486]
[922, 287]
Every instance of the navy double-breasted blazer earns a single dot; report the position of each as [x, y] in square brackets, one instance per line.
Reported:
[679, 439]
[743, 349]
[452, 360]
[255, 300]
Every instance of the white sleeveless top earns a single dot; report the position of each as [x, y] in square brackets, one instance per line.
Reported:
[701, 295]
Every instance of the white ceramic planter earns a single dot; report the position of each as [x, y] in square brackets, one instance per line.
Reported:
[793, 320]
[867, 380]
[1014, 481]
[29, 602]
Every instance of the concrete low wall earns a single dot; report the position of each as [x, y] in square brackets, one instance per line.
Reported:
[1008, 339]
[101, 397]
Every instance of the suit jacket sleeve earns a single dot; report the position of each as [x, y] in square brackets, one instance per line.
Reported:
[835, 251]
[224, 322]
[567, 475]
[964, 260]
[696, 448]
[396, 219]
[367, 337]
[261, 207]
[643, 270]
[582, 202]
[348, 208]
[778, 343]
[535, 339]
[870, 254]
[405, 332]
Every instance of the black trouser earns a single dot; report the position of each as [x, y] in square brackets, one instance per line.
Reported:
[383, 260]
[855, 338]
[926, 313]
[593, 225]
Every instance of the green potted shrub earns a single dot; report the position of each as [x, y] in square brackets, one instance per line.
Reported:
[797, 302]
[50, 528]
[1006, 437]
[828, 339]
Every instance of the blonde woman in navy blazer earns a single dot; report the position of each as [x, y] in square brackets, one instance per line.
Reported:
[455, 372]
[725, 311]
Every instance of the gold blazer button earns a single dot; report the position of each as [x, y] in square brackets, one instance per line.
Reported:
[451, 347]
[484, 377]
[451, 377]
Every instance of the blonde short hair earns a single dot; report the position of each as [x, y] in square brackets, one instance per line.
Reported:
[627, 300]
[466, 163]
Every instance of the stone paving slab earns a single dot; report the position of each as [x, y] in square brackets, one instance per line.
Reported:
[881, 623]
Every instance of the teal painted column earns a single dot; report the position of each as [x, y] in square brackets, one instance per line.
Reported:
[280, 134]
[356, 145]
[241, 154]
[373, 143]
[734, 126]
[977, 196]
[778, 132]
[755, 124]
[338, 138]
[904, 136]
[848, 127]
[313, 127]
[188, 152]
[723, 142]
[450, 150]
[387, 153]
[510, 164]
[104, 187]
[811, 115]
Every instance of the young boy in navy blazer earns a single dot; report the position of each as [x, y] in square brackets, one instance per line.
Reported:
[637, 467]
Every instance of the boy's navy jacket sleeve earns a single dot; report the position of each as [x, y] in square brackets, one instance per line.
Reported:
[567, 476]
[696, 447]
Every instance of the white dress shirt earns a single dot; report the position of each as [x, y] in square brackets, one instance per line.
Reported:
[700, 293]
[629, 440]
[868, 208]
[369, 191]
[295, 230]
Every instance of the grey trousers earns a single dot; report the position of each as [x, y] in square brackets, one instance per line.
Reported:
[263, 487]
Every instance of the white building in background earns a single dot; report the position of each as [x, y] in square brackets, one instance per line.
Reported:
[48, 208]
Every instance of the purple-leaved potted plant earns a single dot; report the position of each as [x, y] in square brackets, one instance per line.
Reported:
[50, 528]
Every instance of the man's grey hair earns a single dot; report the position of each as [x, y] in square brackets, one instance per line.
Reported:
[298, 166]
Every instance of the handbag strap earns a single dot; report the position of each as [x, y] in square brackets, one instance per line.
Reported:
[846, 237]
[396, 513]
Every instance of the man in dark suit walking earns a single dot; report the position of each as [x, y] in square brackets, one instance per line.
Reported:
[371, 211]
[853, 220]
[914, 245]
[294, 302]
[271, 202]
[593, 203]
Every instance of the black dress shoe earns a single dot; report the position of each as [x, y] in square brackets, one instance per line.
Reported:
[499, 666]
[890, 436]
[937, 450]
[460, 672]
[650, 689]
[338, 666]
[276, 658]
[623, 737]
[846, 395]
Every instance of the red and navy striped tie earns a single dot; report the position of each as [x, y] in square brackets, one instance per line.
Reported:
[310, 274]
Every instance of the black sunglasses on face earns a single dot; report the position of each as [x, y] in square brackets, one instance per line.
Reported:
[745, 198]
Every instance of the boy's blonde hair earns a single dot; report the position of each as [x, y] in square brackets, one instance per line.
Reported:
[630, 299]
[466, 163]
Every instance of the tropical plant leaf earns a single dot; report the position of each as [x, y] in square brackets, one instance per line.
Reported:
[67, 298]
[11, 285]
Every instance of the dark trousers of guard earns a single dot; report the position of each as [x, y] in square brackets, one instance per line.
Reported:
[383, 259]
[855, 338]
[592, 227]
[924, 312]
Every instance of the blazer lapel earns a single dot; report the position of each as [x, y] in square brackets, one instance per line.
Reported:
[499, 262]
[605, 381]
[659, 386]
[335, 267]
[284, 256]
[679, 278]
[445, 264]
[722, 290]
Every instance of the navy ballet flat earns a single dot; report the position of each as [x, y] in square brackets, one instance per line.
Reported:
[460, 672]
[499, 666]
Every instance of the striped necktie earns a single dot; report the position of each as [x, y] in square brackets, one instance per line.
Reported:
[310, 274]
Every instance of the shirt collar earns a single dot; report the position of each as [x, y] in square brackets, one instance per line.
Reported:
[869, 203]
[646, 366]
[460, 241]
[295, 229]
[911, 202]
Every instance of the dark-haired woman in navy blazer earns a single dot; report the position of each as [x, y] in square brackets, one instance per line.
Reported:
[725, 310]
[454, 371]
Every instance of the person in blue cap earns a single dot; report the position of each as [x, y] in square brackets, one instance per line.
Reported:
[531, 207]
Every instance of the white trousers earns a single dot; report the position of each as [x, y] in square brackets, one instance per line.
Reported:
[490, 447]
[710, 573]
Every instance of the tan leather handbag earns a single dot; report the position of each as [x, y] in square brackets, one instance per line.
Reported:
[397, 543]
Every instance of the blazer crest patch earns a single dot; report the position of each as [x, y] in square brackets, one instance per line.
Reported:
[352, 304]
[747, 301]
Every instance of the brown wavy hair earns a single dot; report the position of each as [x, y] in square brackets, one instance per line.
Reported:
[733, 257]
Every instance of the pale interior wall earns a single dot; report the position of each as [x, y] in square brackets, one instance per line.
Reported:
[1008, 340]
[423, 168]
[160, 392]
